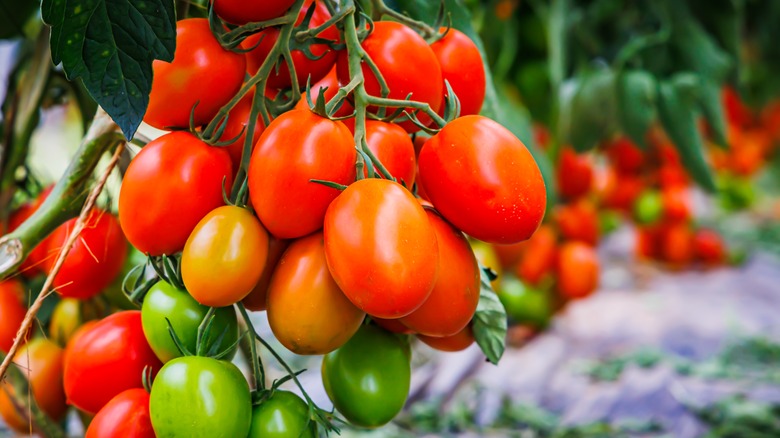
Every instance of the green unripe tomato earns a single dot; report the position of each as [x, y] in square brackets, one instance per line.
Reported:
[185, 314]
[283, 415]
[524, 304]
[196, 396]
[649, 207]
[368, 378]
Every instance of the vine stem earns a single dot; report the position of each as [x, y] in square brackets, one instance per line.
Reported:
[46, 290]
[380, 8]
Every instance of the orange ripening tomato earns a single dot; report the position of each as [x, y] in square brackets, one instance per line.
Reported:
[621, 191]
[461, 66]
[708, 247]
[673, 176]
[202, 73]
[381, 248]
[538, 259]
[12, 311]
[575, 174]
[748, 155]
[262, 43]
[457, 342]
[243, 12]
[625, 156]
[676, 204]
[307, 311]
[95, 259]
[329, 86]
[455, 294]
[40, 360]
[256, 300]
[393, 325]
[578, 270]
[483, 180]
[403, 58]
[285, 199]
[676, 244]
[578, 221]
[393, 147]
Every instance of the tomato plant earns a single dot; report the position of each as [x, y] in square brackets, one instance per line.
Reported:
[282, 415]
[381, 248]
[394, 149]
[457, 342]
[200, 396]
[165, 304]
[578, 270]
[368, 377]
[126, 414]
[240, 12]
[173, 167]
[12, 311]
[224, 256]
[307, 311]
[461, 66]
[105, 358]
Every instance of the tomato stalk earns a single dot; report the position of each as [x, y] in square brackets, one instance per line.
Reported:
[380, 9]
[315, 412]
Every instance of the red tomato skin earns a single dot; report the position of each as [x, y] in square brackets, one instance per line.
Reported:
[461, 65]
[403, 57]
[12, 311]
[105, 358]
[94, 261]
[455, 294]
[483, 180]
[126, 415]
[305, 69]
[578, 221]
[578, 270]
[391, 145]
[393, 325]
[575, 174]
[708, 247]
[284, 198]
[457, 342]
[175, 169]
[625, 156]
[243, 12]
[381, 248]
[676, 204]
[202, 72]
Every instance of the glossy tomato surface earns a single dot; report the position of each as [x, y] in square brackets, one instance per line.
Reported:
[288, 204]
[393, 147]
[307, 311]
[224, 256]
[105, 358]
[455, 294]
[164, 303]
[243, 12]
[407, 63]
[178, 170]
[483, 180]
[199, 396]
[126, 415]
[457, 342]
[368, 378]
[283, 415]
[202, 73]
[381, 248]
[461, 65]
[12, 311]
[575, 174]
[578, 270]
[256, 300]
[94, 261]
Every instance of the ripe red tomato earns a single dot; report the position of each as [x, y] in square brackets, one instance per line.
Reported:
[202, 72]
[305, 68]
[125, 415]
[41, 361]
[461, 65]
[457, 342]
[575, 174]
[455, 294]
[256, 300]
[676, 244]
[95, 259]
[404, 59]
[12, 311]
[483, 180]
[393, 148]
[381, 248]
[709, 247]
[329, 83]
[627, 158]
[578, 221]
[393, 325]
[243, 12]
[676, 204]
[105, 358]
[177, 170]
[538, 259]
[237, 121]
[224, 256]
[284, 198]
[307, 311]
[578, 270]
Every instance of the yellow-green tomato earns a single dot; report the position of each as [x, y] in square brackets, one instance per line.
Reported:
[283, 415]
[224, 256]
[488, 258]
[66, 318]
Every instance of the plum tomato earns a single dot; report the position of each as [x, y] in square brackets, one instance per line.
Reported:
[578, 270]
[12, 311]
[461, 65]
[126, 415]
[243, 12]
[283, 415]
[457, 342]
[393, 147]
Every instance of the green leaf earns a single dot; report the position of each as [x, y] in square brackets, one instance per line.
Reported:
[712, 107]
[593, 110]
[636, 100]
[696, 49]
[677, 111]
[110, 45]
[14, 14]
[489, 322]
[427, 10]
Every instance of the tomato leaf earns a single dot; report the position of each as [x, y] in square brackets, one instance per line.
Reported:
[489, 324]
[110, 45]
[712, 107]
[14, 15]
[694, 48]
[636, 96]
[593, 110]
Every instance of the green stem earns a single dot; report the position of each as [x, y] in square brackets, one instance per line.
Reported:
[314, 31]
[398, 103]
[26, 405]
[65, 200]
[257, 365]
[199, 343]
[380, 8]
